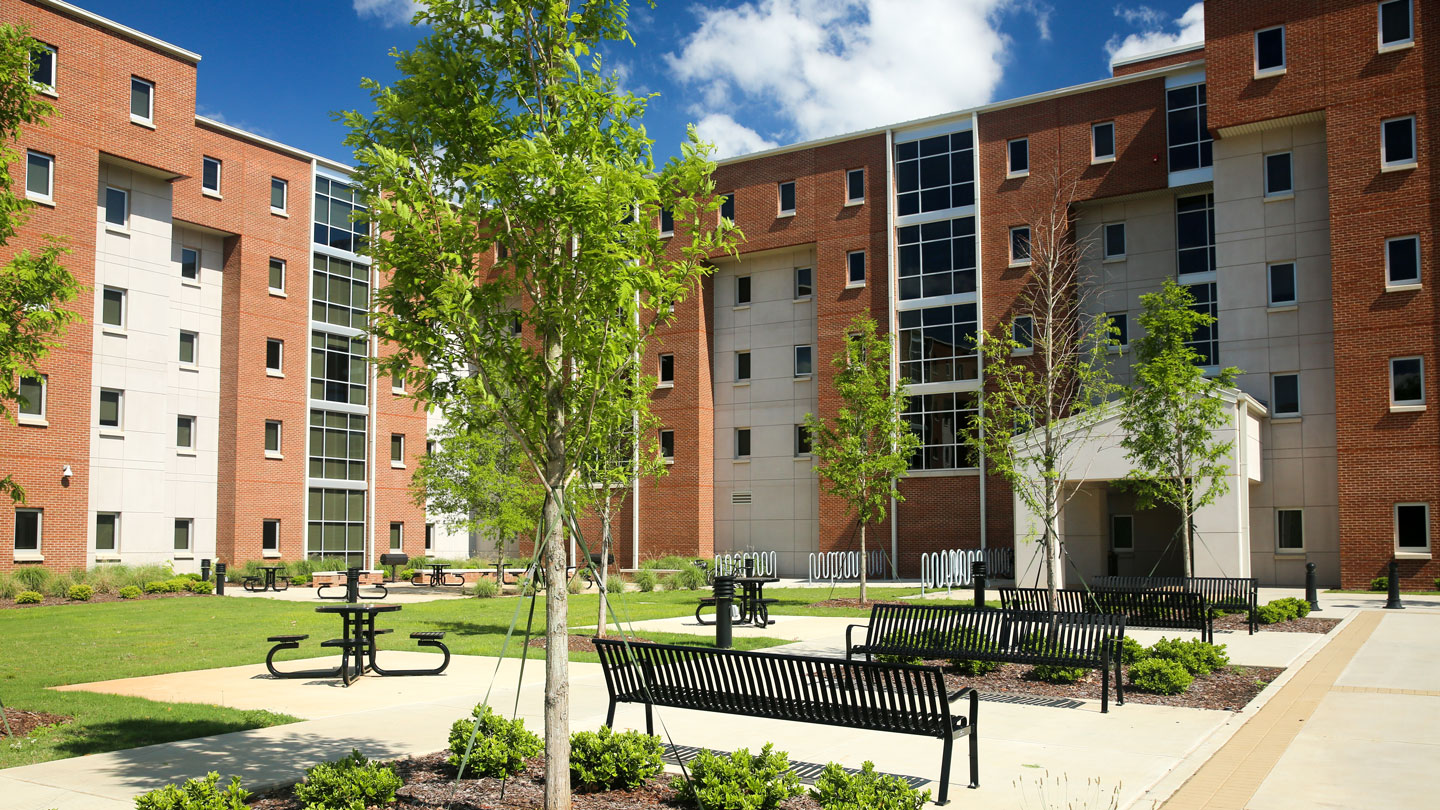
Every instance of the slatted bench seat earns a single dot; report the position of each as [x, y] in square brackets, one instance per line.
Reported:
[1237, 594]
[1161, 609]
[954, 632]
[862, 695]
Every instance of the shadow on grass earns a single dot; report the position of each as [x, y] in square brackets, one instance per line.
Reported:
[110, 735]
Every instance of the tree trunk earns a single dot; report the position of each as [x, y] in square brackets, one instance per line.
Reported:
[1052, 542]
[604, 564]
[557, 660]
[863, 566]
[1185, 551]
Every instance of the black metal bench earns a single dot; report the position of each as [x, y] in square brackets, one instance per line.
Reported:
[1171, 610]
[1087, 640]
[1237, 594]
[850, 694]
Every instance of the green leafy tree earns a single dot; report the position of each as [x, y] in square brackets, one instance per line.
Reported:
[862, 453]
[1047, 377]
[504, 134]
[1172, 412]
[34, 287]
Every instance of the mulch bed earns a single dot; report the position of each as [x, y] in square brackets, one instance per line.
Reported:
[580, 643]
[1309, 624]
[23, 722]
[99, 597]
[1227, 690]
[852, 603]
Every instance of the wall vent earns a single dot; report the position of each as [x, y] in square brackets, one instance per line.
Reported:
[739, 497]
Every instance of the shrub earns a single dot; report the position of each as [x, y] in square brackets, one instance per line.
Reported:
[159, 586]
[8, 586]
[672, 562]
[57, 586]
[904, 639]
[33, 577]
[29, 598]
[969, 667]
[199, 586]
[1282, 610]
[129, 592]
[1197, 657]
[605, 760]
[1161, 676]
[486, 588]
[405, 574]
[1050, 673]
[575, 585]
[1437, 583]
[1299, 607]
[689, 578]
[740, 781]
[866, 790]
[501, 746]
[1132, 651]
[351, 783]
[614, 583]
[1380, 584]
[196, 794]
[80, 593]
[646, 580]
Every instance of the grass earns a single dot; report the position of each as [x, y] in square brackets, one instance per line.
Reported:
[81, 643]
[1403, 592]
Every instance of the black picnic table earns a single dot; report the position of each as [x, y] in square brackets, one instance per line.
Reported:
[271, 583]
[753, 608]
[357, 645]
[437, 576]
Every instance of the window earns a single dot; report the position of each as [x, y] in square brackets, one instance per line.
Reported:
[430, 447]
[742, 366]
[787, 197]
[42, 67]
[117, 207]
[340, 220]
[1270, 51]
[111, 407]
[804, 283]
[1190, 145]
[667, 222]
[112, 307]
[397, 450]
[1195, 234]
[804, 361]
[142, 100]
[742, 442]
[1402, 261]
[337, 446]
[1114, 240]
[1281, 280]
[189, 264]
[1206, 340]
[937, 344]
[1279, 175]
[397, 536]
[185, 432]
[1285, 394]
[274, 355]
[32, 396]
[727, 207]
[337, 368]
[667, 369]
[1020, 245]
[1018, 156]
[107, 531]
[270, 535]
[39, 176]
[1289, 530]
[855, 266]
[397, 382]
[667, 445]
[336, 524]
[429, 536]
[1122, 532]
[28, 528]
[944, 423]
[742, 291]
[182, 534]
[937, 258]
[802, 440]
[855, 186]
[279, 191]
[187, 348]
[1397, 24]
[934, 174]
[1397, 143]
[1022, 331]
[210, 175]
[272, 437]
[339, 292]
[1412, 527]
[1120, 328]
[1407, 381]
[1102, 142]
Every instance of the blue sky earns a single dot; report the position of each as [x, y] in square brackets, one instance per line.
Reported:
[751, 73]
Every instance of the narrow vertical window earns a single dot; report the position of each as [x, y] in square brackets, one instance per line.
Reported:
[667, 445]
[429, 536]
[727, 206]
[1102, 142]
[107, 531]
[117, 207]
[855, 186]
[39, 176]
[32, 396]
[142, 101]
[185, 432]
[1281, 281]
[1397, 143]
[804, 283]
[1285, 394]
[1402, 261]
[1279, 175]
[742, 442]
[1195, 234]
[787, 197]
[1397, 24]
[1114, 240]
[42, 68]
[1289, 530]
[274, 355]
[187, 348]
[190, 264]
[111, 408]
[855, 268]
[742, 366]
[210, 175]
[1270, 51]
[742, 291]
[1018, 157]
[667, 222]
[1120, 329]
[1022, 331]
[272, 437]
[667, 369]
[1407, 381]
[397, 450]
[397, 536]
[270, 535]
[802, 440]
[804, 361]
[112, 307]
[277, 275]
[279, 194]
[1020, 245]
[1122, 532]
[183, 533]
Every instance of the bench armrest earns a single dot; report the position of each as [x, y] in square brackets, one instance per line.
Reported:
[848, 644]
[961, 692]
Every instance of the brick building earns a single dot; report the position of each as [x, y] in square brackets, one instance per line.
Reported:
[1280, 170]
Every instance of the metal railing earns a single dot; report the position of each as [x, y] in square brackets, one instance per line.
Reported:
[950, 569]
[766, 563]
[836, 565]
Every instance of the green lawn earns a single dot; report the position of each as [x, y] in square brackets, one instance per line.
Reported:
[81, 643]
[1403, 592]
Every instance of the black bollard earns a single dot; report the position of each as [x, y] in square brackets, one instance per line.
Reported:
[977, 573]
[220, 578]
[205, 570]
[352, 585]
[1310, 595]
[724, 598]
[1392, 600]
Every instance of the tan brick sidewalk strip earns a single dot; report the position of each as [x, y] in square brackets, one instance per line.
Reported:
[1235, 772]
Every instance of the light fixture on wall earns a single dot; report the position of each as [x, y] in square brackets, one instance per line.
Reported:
[66, 473]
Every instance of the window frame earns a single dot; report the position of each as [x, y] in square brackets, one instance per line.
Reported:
[1408, 284]
[661, 380]
[804, 444]
[749, 369]
[1274, 70]
[1408, 404]
[781, 210]
[195, 278]
[749, 291]
[34, 418]
[149, 118]
[284, 272]
[114, 550]
[1105, 253]
[48, 196]
[277, 370]
[39, 548]
[1408, 42]
[189, 524]
[1271, 300]
[1395, 521]
[194, 360]
[1124, 338]
[265, 524]
[667, 434]
[1283, 193]
[1015, 231]
[1022, 348]
[192, 425]
[1386, 164]
[42, 87]
[205, 161]
[429, 536]
[284, 186]
[743, 442]
[1202, 133]
[1010, 170]
[665, 214]
[1095, 156]
[851, 200]
[850, 269]
[397, 442]
[1211, 244]
[809, 359]
[1275, 411]
[1279, 534]
[808, 286]
[119, 425]
[396, 538]
[124, 308]
[124, 223]
[727, 203]
[1115, 549]
[279, 450]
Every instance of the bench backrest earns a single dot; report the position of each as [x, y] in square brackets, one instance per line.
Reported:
[1173, 609]
[957, 631]
[831, 691]
[1231, 593]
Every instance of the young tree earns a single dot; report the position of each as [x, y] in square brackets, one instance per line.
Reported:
[866, 448]
[1046, 376]
[503, 131]
[34, 287]
[1172, 412]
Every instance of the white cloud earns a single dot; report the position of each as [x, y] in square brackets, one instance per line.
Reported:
[731, 137]
[826, 67]
[388, 12]
[1155, 31]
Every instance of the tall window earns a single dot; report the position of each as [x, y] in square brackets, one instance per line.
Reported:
[429, 536]
[1269, 51]
[934, 174]
[270, 535]
[32, 396]
[854, 186]
[42, 67]
[397, 536]
[1412, 527]
[1281, 282]
[667, 369]
[279, 194]
[804, 283]
[184, 528]
[742, 442]
[802, 440]
[112, 408]
[117, 207]
[1102, 142]
[1397, 143]
[28, 529]
[804, 361]
[742, 291]
[1397, 24]
[1195, 234]
[185, 432]
[142, 100]
[397, 450]
[787, 197]
[340, 216]
[667, 445]
[1120, 328]
[107, 531]
[1285, 394]
[277, 275]
[937, 258]
[1289, 530]
[337, 368]
[1279, 175]
[1402, 261]
[742, 366]
[39, 176]
[337, 446]
[336, 524]
[189, 264]
[1114, 240]
[1189, 139]
[339, 292]
[273, 429]
[1122, 533]
[943, 422]
[1020, 245]
[855, 268]
[727, 208]
[1206, 340]
[937, 344]
[1017, 157]
[210, 175]
[1407, 381]
[112, 307]
[274, 355]
[1022, 331]
[667, 222]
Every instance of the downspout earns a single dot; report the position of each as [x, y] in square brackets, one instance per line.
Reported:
[635, 460]
[980, 319]
[370, 436]
[890, 282]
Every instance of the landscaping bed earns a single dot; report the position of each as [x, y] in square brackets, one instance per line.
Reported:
[853, 603]
[23, 722]
[1226, 689]
[583, 643]
[1309, 624]
[10, 604]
